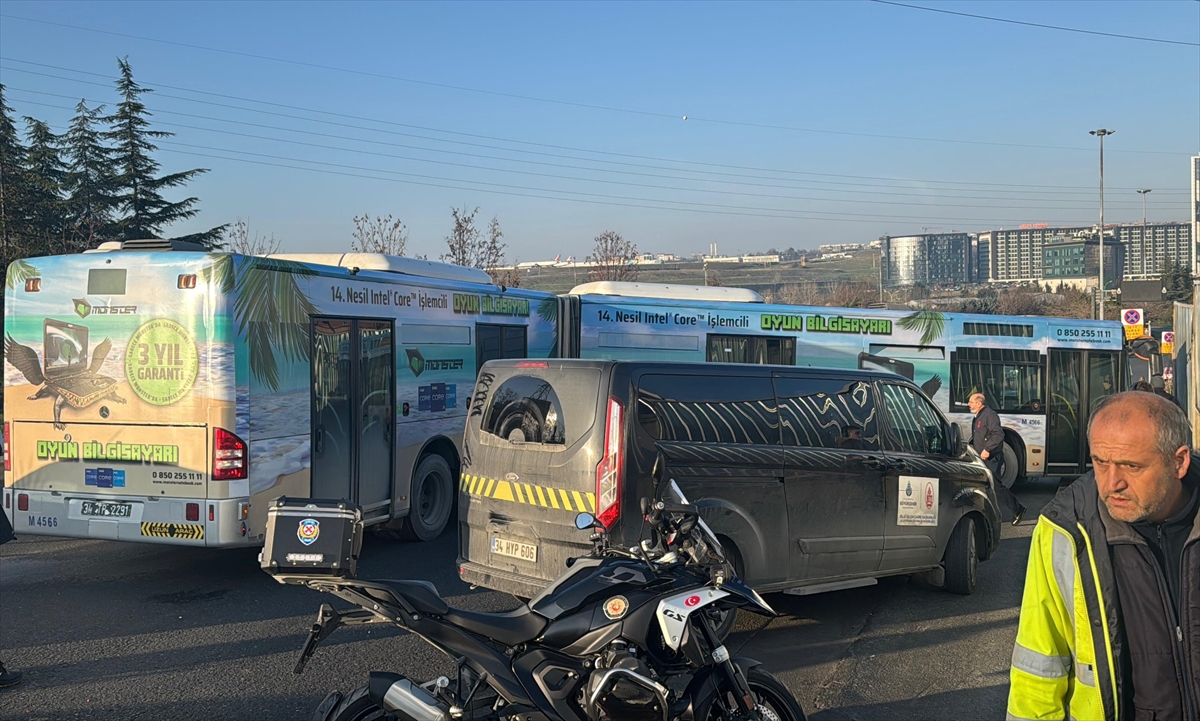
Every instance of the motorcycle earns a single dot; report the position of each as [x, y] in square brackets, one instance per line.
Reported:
[623, 634]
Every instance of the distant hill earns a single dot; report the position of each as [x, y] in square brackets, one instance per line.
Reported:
[861, 266]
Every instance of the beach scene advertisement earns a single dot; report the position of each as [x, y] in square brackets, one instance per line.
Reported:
[92, 345]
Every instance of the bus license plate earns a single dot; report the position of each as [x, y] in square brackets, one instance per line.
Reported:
[112, 510]
[514, 549]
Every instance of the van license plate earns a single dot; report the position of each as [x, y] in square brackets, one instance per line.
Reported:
[112, 510]
[514, 549]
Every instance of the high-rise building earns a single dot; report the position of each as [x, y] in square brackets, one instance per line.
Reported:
[1017, 255]
[1195, 185]
[1075, 260]
[926, 259]
[1149, 248]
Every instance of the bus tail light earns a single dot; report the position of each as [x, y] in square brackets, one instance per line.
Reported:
[23, 502]
[193, 512]
[212, 512]
[230, 459]
[611, 470]
[7, 463]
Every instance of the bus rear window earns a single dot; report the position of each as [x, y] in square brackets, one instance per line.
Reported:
[527, 409]
[106, 281]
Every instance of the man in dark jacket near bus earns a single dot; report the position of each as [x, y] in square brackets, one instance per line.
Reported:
[7, 678]
[1110, 619]
[987, 438]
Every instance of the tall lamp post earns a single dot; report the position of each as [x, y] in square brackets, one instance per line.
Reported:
[1100, 134]
[1143, 192]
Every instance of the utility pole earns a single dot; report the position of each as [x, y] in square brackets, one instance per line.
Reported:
[1100, 134]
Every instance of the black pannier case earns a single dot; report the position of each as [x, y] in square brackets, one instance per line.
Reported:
[309, 538]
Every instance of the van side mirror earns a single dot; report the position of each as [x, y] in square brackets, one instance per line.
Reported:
[584, 521]
[958, 444]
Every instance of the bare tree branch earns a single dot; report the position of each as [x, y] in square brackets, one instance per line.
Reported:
[239, 240]
[379, 235]
[613, 258]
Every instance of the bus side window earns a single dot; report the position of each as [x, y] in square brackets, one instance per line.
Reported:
[495, 342]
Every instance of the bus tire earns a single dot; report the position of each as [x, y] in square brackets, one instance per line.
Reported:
[433, 499]
[1012, 465]
[961, 561]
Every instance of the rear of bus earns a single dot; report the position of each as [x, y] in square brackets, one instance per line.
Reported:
[120, 398]
[544, 441]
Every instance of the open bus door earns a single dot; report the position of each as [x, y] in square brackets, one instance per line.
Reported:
[1143, 360]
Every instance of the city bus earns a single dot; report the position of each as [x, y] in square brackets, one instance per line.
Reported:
[158, 393]
[1043, 376]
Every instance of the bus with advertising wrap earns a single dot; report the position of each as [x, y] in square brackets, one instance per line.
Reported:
[155, 392]
[1041, 375]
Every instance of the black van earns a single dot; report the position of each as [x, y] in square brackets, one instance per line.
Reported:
[814, 478]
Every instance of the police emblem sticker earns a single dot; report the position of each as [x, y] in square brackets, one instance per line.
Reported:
[616, 607]
[308, 531]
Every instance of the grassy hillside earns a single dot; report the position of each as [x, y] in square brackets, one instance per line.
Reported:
[859, 267]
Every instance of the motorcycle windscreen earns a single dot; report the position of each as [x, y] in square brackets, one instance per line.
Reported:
[531, 450]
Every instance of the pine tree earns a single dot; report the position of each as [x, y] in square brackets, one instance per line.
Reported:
[89, 183]
[46, 175]
[145, 211]
[13, 187]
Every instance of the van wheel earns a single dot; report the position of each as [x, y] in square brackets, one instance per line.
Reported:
[962, 558]
[432, 500]
[1012, 466]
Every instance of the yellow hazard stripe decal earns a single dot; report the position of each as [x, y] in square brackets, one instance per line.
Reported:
[173, 530]
[527, 494]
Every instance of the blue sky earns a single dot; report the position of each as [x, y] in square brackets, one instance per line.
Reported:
[829, 76]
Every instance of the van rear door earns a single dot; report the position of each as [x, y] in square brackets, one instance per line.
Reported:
[534, 437]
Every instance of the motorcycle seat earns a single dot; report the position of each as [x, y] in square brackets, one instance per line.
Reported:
[510, 629]
[421, 595]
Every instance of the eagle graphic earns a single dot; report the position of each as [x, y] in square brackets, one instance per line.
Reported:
[78, 391]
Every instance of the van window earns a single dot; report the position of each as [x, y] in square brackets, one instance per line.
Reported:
[827, 413]
[530, 410]
[708, 409]
[916, 426]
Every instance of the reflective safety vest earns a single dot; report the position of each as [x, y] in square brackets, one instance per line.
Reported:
[1063, 661]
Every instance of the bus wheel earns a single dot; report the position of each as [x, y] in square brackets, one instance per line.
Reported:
[1012, 466]
[432, 500]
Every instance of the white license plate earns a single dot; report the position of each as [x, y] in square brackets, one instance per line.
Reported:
[514, 549]
[111, 510]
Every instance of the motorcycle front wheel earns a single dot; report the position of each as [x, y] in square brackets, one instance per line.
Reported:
[357, 706]
[775, 701]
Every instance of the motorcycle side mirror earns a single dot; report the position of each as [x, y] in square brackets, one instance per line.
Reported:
[584, 521]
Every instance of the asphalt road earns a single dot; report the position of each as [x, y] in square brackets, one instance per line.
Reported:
[127, 631]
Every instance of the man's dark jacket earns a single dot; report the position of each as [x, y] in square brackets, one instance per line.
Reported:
[987, 433]
[1154, 638]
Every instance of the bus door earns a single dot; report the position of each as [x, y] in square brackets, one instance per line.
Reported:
[1079, 380]
[353, 412]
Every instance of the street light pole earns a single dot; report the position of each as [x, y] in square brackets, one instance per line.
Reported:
[1100, 134]
[1145, 243]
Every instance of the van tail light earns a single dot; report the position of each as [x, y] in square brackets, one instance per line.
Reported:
[610, 472]
[193, 511]
[7, 463]
[23, 502]
[231, 461]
